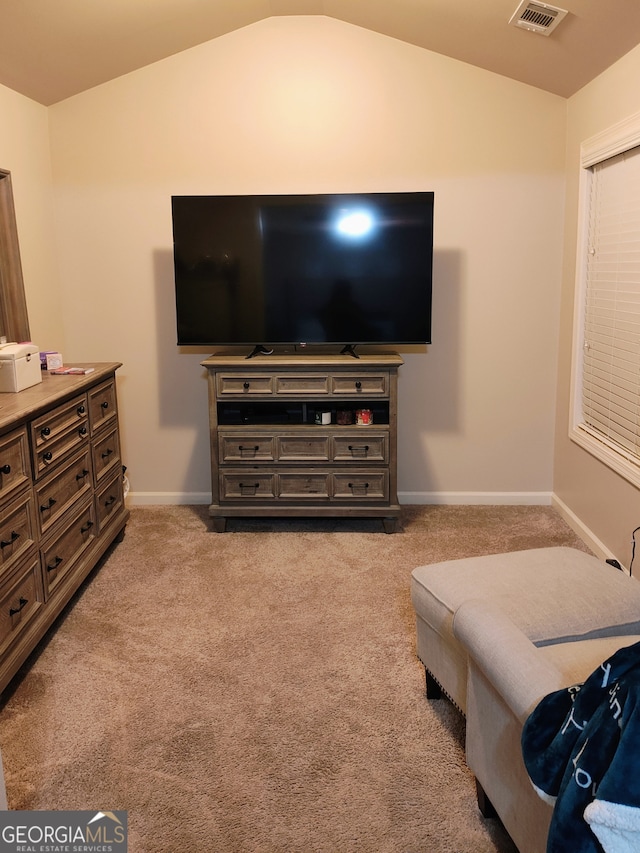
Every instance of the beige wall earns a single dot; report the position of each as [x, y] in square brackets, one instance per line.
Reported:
[24, 151]
[600, 503]
[313, 104]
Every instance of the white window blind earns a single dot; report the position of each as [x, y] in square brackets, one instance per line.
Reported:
[611, 332]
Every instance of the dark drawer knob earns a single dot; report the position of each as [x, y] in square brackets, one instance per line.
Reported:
[21, 605]
[246, 385]
[105, 405]
[358, 384]
[4, 543]
[82, 431]
[82, 474]
[45, 432]
[80, 410]
[86, 527]
[110, 501]
[6, 469]
[51, 567]
[107, 453]
[48, 456]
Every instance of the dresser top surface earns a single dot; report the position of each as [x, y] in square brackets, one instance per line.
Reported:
[22, 405]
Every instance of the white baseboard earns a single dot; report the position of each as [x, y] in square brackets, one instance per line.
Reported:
[477, 498]
[408, 498]
[167, 498]
[585, 533]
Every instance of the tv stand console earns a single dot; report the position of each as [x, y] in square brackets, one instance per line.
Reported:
[303, 435]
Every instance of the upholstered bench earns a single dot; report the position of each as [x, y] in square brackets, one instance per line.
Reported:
[553, 595]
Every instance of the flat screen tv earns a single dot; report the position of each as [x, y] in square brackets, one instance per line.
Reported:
[270, 270]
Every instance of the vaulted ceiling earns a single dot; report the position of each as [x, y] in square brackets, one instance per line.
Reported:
[52, 49]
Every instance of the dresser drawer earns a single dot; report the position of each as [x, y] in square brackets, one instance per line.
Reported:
[64, 551]
[247, 485]
[15, 467]
[20, 600]
[245, 447]
[58, 433]
[102, 406]
[17, 532]
[361, 485]
[365, 384]
[106, 455]
[361, 446]
[244, 385]
[291, 448]
[58, 492]
[109, 501]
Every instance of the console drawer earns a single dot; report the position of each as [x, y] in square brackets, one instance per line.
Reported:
[247, 485]
[361, 485]
[311, 384]
[291, 448]
[364, 447]
[301, 484]
[365, 384]
[245, 447]
[243, 385]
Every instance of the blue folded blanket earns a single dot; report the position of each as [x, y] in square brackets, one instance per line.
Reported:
[581, 746]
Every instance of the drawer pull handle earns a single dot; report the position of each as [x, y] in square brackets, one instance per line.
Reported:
[358, 384]
[51, 502]
[6, 469]
[107, 453]
[4, 543]
[254, 449]
[110, 501]
[82, 431]
[80, 410]
[105, 405]
[249, 486]
[82, 474]
[359, 448]
[56, 563]
[45, 432]
[86, 527]
[47, 457]
[358, 485]
[246, 385]
[21, 605]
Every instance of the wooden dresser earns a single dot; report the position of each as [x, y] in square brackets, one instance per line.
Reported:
[61, 500]
[286, 441]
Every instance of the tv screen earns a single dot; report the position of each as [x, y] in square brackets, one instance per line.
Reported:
[304, 269]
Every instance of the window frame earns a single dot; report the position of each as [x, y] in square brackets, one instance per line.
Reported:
[615, 140]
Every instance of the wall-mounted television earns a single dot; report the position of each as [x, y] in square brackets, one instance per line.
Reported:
[270, 270]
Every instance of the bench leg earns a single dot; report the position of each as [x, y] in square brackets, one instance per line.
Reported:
[484, 803]
[434, 691]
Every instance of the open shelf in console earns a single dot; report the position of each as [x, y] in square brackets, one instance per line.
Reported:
[264, 413]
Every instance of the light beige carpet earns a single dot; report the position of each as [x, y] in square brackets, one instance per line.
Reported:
[258, 690]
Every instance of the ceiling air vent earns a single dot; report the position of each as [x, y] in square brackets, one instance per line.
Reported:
[537, 17]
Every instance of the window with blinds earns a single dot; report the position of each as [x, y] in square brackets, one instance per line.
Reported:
[606, 415]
